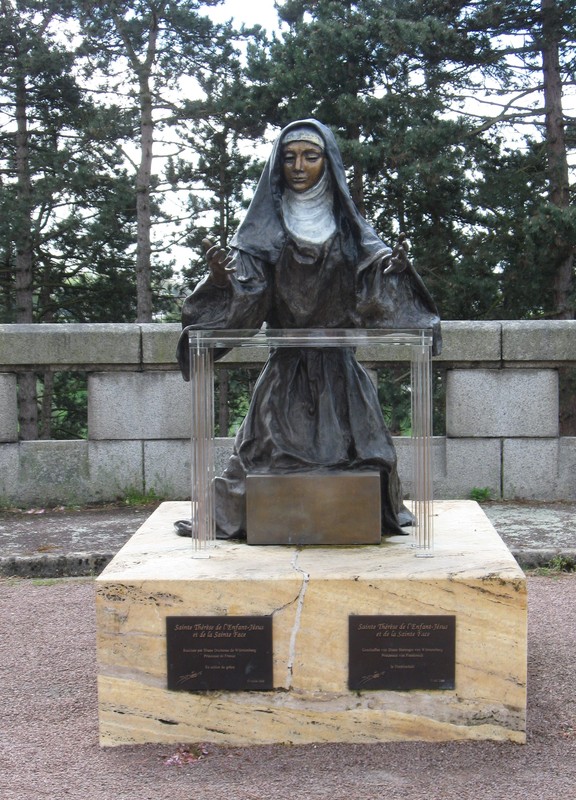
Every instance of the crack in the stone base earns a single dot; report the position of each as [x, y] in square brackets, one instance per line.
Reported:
[296, 627]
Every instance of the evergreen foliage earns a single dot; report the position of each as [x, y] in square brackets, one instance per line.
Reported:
[398, 81]
[452, 120]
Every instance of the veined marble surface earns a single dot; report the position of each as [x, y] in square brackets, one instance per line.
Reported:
[310, 593]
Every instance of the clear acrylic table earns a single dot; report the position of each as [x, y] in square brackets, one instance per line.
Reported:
[382, 345]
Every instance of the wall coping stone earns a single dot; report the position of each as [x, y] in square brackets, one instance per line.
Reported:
[150, 346]
[69, 344]
[539, 340]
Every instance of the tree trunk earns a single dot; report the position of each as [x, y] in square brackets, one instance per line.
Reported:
[567, 400]
[143, 214]
[143, 71]
[220, 140]
[27, 397]
[558, 177]
[559, 195]
[357, 181]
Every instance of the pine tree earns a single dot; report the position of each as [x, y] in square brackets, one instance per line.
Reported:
[399, 82]
[39, 100]
[529, 51]
[144, 50]
[66, 226]
[213, 129]
[378, 74]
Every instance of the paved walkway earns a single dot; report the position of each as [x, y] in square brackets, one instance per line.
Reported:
[48, 704]
[76, 542]
[49, 732]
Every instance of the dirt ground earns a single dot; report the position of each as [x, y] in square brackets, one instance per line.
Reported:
[49, 731]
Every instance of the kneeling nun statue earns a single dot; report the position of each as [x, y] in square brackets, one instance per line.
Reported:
[304, 257]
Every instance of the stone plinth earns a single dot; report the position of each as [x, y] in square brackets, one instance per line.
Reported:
[310, 594]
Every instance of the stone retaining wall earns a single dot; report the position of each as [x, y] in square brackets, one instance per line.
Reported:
[501, 413]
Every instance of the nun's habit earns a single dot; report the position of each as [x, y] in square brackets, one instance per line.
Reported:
[309, 260]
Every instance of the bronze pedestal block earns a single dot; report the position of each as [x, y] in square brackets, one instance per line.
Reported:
[311, 508]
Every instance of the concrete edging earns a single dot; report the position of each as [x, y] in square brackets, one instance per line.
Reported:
[80, 565]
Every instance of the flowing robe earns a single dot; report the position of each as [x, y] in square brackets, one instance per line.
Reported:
[312, 409]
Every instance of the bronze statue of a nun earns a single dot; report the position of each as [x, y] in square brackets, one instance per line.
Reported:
[304, 257]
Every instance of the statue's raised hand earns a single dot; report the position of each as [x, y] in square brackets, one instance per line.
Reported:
[398, 260]
[219, 263]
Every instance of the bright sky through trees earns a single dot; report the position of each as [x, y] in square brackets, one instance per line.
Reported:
[261, 12]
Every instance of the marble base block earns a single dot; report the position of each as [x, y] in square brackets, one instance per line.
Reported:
[310, 594]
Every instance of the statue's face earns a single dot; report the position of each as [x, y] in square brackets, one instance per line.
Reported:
[303, 165]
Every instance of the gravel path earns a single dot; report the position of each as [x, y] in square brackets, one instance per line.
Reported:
[49, 734]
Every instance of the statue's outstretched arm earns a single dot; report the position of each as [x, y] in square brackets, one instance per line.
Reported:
[219, 263]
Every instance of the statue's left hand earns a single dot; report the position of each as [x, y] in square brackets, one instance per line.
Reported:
[398, 260]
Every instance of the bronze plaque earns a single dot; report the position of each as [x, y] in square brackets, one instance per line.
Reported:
[219, 653]
[312, 508]
[402, 652]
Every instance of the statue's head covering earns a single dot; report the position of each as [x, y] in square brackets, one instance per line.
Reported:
[263, 233]
[304, 133]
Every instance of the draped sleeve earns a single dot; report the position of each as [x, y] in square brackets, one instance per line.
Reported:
[242, 304]
[395, 301]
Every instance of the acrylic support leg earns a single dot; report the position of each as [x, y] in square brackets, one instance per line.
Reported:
[202, 380]
[423, 536]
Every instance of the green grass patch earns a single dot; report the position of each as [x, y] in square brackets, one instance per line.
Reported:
[136, 497]
[556, 566]
[481, 495]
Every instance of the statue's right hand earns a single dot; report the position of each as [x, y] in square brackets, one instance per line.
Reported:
[219, 263]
